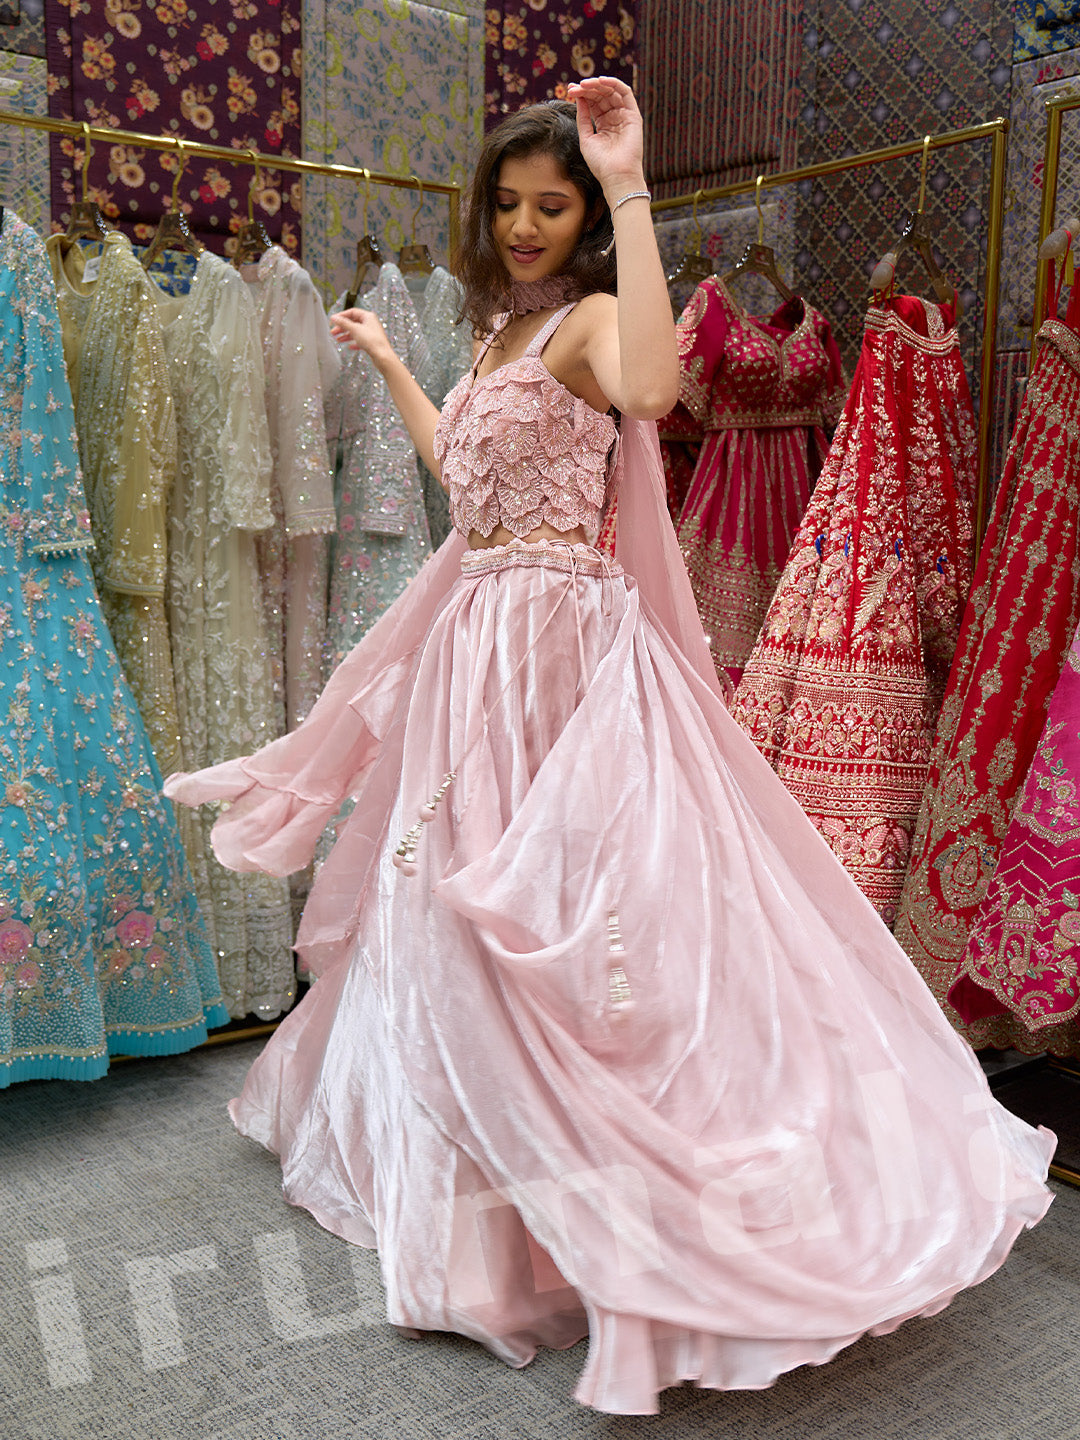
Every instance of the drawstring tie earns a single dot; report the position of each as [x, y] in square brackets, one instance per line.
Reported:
[620, 998]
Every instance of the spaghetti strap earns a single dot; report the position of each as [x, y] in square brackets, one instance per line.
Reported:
[544, 334]
[535, 345]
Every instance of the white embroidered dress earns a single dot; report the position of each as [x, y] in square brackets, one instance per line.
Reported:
[301, 364]
[222, 648]
[382, 537]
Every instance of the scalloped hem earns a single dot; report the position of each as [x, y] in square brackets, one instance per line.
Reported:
[163, 1042]
[53, 1067]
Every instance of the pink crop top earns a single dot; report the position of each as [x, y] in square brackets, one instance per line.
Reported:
[516, 448]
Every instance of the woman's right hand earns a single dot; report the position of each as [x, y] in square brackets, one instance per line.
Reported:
[361, 330]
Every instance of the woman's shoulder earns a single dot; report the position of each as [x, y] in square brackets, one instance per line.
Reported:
[598, 303]
[593, 312]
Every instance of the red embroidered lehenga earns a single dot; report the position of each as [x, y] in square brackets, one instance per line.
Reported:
[842, 690]
[762, 390]
[1024, 949]
[1023, 612]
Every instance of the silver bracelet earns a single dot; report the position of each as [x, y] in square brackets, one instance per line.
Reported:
[632, 195]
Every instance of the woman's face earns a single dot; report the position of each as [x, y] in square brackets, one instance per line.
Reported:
[539, 216]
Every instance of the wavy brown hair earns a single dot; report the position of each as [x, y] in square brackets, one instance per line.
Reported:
[549, 128]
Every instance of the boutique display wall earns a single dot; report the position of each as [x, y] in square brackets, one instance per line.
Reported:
[227, 74]
[398, 87]
[24, 154]
[22, 27]
[875, 74]
[535, 48]
[719, 91]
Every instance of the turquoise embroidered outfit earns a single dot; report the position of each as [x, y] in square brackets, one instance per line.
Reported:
[102, 947]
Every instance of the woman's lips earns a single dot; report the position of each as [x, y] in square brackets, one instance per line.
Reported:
[524, 256]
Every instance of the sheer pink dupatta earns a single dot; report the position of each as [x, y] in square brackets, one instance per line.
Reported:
[647, 548]
[281, 798]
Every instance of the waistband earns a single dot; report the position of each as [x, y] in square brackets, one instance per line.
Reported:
[571, 559]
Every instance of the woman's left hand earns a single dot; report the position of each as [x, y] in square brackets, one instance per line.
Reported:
[609, 129]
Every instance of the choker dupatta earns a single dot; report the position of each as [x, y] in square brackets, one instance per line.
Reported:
[549, 293]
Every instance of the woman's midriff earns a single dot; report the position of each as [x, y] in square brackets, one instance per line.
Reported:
[501, 536]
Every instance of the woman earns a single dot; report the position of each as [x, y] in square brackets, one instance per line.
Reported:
[604, 1040]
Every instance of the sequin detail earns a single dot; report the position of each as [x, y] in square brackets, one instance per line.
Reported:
[102, 949]
[542, 554]
[382, 537]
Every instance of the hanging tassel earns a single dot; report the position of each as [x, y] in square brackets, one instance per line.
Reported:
[620, 998]
[405, 855]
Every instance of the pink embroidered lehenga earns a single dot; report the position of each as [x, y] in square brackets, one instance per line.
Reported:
[627, 1054]
[842, 690]
[762, 389]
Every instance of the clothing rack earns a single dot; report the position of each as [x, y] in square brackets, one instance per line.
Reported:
[1056, 107]
[191, 148]
[995, 130]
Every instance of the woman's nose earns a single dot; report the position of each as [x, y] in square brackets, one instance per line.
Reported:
[524, 221]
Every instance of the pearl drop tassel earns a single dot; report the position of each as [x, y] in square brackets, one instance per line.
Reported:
[404, 856]
[620, 997]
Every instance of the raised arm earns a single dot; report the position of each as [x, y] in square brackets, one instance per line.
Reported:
[635, 362]
[361, 330]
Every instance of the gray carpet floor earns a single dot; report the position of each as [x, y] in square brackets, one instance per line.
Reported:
[155, 1286]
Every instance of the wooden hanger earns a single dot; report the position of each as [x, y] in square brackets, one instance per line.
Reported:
[916, 236]
[414, 259]
[87, 221]
[367, 250]
[694, 266]
[173, 232]
[252, 241]
[759, 258]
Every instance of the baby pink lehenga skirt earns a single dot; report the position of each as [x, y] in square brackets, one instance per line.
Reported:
[773, 1143]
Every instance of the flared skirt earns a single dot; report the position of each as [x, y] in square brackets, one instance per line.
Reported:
[629, 1053]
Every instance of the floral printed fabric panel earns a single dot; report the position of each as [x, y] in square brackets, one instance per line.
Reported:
[1033, 84]
[225, 74]
[719, 90]
[22, 27]
[24, 154]
[1044, 27]
[397, 87]
[535, 48]
[872, 76]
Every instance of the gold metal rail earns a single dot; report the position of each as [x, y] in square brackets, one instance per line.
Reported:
[1056, 107]
[356, 173]
[994, 130]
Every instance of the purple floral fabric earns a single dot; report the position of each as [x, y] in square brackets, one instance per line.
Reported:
[535, 48]
[227, 75]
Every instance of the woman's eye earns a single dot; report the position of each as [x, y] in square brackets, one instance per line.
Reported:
[552, 214]
[504, 205]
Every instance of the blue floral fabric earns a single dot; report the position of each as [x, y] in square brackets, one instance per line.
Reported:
[102, 947]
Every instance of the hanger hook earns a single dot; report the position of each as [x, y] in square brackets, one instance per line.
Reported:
[253, 186]
[181, 165]
[367, 197]
[924, 167]
[697, 236]
[760, 215]
[416, 212]
[87, 152]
